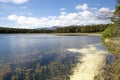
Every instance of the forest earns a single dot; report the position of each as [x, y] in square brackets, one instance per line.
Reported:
[67, 29]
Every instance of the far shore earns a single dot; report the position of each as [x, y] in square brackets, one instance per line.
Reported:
[63, 34]
[77, 34]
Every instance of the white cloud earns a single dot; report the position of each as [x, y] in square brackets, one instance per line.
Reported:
[12, 17]
[69, 16]
[14, 1]
[87, 14]
[105, 12]
[104, 9]
[63, 13]
[19, 1]
[82, 7]
[84, 17]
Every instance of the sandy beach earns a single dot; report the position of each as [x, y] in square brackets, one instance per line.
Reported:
[93, 61]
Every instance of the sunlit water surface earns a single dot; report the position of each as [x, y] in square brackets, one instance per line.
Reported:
[27, 47]
[26, 44]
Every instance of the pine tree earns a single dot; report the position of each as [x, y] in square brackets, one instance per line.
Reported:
[116, 19]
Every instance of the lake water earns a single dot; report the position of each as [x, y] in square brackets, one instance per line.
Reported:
[28, 50]
[24, 45]
[17, 44]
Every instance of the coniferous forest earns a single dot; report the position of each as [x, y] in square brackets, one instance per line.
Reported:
[68, 29]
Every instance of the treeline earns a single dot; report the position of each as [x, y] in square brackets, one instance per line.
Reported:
[68, 29]
[83, 29]
[18, 30]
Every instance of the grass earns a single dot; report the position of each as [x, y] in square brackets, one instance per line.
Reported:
[112, 43]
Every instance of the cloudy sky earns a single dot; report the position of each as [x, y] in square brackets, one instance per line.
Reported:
[47, 13]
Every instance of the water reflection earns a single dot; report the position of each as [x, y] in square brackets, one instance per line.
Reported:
[22, 45]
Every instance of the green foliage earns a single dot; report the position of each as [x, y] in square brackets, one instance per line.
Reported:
[108, 33]
[82, 29]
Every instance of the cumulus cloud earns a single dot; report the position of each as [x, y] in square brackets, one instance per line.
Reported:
[84, 17]
[82, 7]
[105, 9]
[63, 13]
[69, 16]
[12, 17]
[14, 1]
[87, 14]
[105, 12]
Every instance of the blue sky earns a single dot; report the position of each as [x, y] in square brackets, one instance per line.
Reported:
[47, 13]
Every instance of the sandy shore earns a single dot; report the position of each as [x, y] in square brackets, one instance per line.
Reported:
[93, 61]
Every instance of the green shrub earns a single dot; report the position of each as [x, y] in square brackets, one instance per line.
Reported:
[108, 33]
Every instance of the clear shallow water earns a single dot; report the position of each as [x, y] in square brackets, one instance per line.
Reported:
[46, 54]
[23, 45]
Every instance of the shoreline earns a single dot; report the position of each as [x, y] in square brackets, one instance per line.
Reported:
[60, 34]
[93, 62]
[113, 46]
[77, 34]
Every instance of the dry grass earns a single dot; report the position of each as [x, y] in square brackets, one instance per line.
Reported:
[112, 71]
[113, 45]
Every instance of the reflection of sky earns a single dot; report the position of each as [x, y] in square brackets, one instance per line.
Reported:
[12, 44]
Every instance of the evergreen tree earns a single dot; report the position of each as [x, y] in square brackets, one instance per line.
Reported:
[116, 19]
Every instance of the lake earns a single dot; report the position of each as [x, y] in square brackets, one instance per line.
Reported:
[28, 50]
[17, 44]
